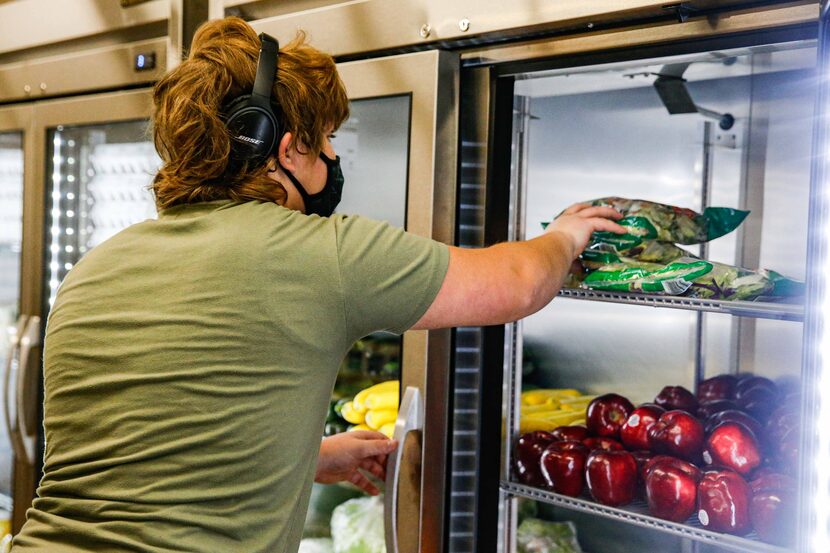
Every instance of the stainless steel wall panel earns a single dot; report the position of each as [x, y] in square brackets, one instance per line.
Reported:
[34, 23]
[789, 14]
[374, 25]
[98, 69]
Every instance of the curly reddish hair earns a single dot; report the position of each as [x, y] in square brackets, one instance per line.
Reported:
[188, 126]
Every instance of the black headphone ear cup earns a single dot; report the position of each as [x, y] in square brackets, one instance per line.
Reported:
[254, 131]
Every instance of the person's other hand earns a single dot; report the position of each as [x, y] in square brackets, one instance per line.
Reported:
[343, 454]
[579, 221]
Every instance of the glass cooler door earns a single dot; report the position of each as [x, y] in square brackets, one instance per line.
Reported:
[397, 153]
[569, 132]
[92, 160]
[15, 149]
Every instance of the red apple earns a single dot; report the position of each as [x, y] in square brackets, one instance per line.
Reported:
[606, 414]
[634, 432]
[604, 444]
[768, 480]
[717, 387]
[563, 467]
[677, 398]
[677, 433]
[576, 433]
[772, 513]
[708, 408]
[733, 445]
[786, 453]
[780, 422]
[671, 491]
[680, 464]
[723, 499]
[754, 382]
[528, 454]
[734, 416]
[642, 458]
[759, 401]
[611, 477]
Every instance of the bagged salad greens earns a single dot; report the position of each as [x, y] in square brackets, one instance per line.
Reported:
[692, 277]
[540, 536]
[357, 526]
[647, 220]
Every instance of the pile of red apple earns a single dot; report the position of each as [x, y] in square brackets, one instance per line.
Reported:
[727, 455]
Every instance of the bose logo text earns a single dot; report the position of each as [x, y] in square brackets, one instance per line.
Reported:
[249, 140]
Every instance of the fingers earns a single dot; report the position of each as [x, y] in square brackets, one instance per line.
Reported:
[383, 446]
[374, 467]
[607, 225]
[363, 483]
[368, 435]
[600, 211]
[575, 208]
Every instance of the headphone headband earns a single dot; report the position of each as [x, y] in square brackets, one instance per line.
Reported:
[266, 69]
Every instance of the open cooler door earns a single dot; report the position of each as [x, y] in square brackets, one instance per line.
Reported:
[424, 84]
[814, 513]
[16, 177]
[397, 153]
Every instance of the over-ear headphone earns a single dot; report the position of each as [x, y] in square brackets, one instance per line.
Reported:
[250, 119]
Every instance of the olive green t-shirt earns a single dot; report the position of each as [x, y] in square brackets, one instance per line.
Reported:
[188, 366]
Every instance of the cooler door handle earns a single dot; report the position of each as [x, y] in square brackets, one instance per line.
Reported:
[410, 418]
[29, 341]
[12, 365]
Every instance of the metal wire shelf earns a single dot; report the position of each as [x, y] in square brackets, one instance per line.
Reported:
[637, 514]
[761, 310]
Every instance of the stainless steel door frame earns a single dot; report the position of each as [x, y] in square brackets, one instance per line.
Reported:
[378, 25]
[431, 81]
[21, 119]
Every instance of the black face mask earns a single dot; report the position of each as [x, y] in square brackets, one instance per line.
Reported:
[325, 201]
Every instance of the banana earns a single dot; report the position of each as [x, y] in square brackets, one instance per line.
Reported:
[382, 400]
[383, 387]
[388, 429]
[351, 415]
[358, 427]
[537, 397]
[376, 418]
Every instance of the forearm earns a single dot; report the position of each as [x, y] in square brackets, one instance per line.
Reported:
[541, 266]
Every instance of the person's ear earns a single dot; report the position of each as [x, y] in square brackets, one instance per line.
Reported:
[286, 152]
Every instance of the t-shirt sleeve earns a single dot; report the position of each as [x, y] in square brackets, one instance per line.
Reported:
[389, 277]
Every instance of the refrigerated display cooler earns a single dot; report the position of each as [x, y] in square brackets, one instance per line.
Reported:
[735, 129]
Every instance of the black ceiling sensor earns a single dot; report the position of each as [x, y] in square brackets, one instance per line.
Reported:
[671, 87]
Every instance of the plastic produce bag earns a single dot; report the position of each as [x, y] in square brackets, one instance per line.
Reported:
[541, 536]
[357, 526]
[316, 545]
[692, 277]
[649, 251]
[650, 220]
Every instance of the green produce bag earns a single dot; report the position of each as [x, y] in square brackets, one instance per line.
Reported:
[541, 536]
[649, 251]
[651, 220]
[692, 277]
[357, 526]
[316, 545]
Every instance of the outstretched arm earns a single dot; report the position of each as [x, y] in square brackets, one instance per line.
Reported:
[343, 454]
[512, 280]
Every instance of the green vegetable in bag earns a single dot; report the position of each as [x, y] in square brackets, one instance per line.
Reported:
[650, 220]
[650, 251]
[692, 277]
[357, 526]
[632, 276]
[541, 536]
